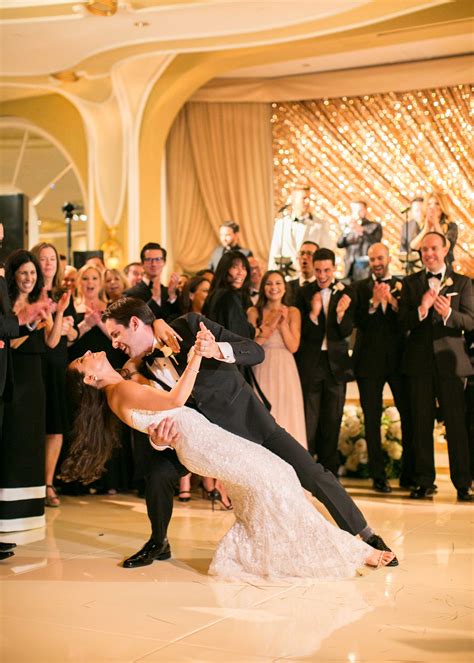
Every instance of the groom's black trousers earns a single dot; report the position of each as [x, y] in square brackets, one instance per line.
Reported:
[162, 470]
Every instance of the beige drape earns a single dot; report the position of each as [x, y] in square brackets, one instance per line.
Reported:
[219, 167]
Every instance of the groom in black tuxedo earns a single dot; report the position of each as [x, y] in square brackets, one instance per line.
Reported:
[323, 361]
[223, 396]
[436, 308]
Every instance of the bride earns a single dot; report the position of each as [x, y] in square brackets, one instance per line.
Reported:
[277, 533]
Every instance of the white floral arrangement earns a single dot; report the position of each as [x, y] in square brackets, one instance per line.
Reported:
[353, 445]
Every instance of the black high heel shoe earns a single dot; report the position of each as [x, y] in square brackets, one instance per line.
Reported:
[184, 492]
[216, 498]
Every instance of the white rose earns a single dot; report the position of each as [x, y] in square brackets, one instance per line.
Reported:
[392, 413]
[364, 458]
[353, 426]
[395, 430]
[383, 434]
[350, 410]
[360, 446]
[360, 413]
[352, 463]
[395, 451]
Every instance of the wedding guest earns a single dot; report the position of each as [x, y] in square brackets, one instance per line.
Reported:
[23, 432]
[229, 241]
[183, 279]
[161, 299]
[134, 273]
[436, 220]
[278, 331]
[115, 284]
[412, 227]
[228, 301]
[358, 235]
[55, 361]
[294, 225]
[194, 294]
[70, 279]
[436, 308]
[377, 361]
[255, 279]
[10, 325]
[305, 262]
[322, 359]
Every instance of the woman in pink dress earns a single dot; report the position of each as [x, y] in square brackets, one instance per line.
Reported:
[278, 330]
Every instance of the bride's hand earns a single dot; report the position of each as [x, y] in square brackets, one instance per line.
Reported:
[206, 345]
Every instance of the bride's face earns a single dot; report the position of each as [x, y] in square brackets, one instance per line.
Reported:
[91, 363]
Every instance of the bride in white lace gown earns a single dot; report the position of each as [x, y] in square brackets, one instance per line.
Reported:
[277, 532]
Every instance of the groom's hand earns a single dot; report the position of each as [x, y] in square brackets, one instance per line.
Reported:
[206, 345]
[164, 433]
[167, 335]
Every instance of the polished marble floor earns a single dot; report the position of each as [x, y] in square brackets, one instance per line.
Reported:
[64, 596]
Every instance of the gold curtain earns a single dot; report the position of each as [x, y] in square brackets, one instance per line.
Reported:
[383, 148]
[219, 160]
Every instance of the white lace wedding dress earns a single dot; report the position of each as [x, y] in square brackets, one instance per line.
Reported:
[277, 532]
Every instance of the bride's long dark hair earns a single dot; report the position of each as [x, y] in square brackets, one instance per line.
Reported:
[95, 433]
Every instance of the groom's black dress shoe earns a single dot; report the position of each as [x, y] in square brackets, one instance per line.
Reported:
[4, 547]
[465, 495]
[6, 554]
[423, 492]
[379, 544]
[382, 486]
[148, 554]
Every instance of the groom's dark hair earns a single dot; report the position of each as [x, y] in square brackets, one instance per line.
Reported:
[125, 308]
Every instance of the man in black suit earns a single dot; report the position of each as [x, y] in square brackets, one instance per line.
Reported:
[305, 261]
[323, 361]
[229, 239]
[162, 300]
[377, 360]
[358, 235]
[225, 398]
[436, 308]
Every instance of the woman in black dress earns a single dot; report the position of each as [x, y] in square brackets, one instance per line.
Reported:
[55, 362]
[22, 443]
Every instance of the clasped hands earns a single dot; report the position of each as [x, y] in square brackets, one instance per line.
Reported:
[382, 293]
[440, 303]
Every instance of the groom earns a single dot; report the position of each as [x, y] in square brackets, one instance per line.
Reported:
[223, 396]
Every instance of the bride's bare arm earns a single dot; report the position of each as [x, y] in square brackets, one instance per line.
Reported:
[128, 395]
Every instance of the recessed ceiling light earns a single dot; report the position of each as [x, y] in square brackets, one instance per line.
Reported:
[102, 7]
[67, 76]
[141, 24]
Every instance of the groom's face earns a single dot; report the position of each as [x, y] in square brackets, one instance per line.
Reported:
[134, 340]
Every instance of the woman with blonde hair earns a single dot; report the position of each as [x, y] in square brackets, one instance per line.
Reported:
[115, 284]
[436, 219]
[55, 361]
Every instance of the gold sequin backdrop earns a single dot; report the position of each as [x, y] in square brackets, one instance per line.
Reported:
[382, 148]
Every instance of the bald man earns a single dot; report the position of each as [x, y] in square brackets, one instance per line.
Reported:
[377, 360]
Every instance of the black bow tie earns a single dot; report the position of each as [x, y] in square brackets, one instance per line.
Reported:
[253, 293]
[157, 353]
[386, 279]
[430, 275]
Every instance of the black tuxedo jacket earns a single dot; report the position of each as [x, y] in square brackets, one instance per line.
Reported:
[219, 252]
[378, 346]
[312, 335]
[8, 329]
[292, 289]
[431, 343]
[168, 311]
[220, 392]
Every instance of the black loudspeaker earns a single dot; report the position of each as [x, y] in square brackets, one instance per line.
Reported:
[81, 257]
[14, 216]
